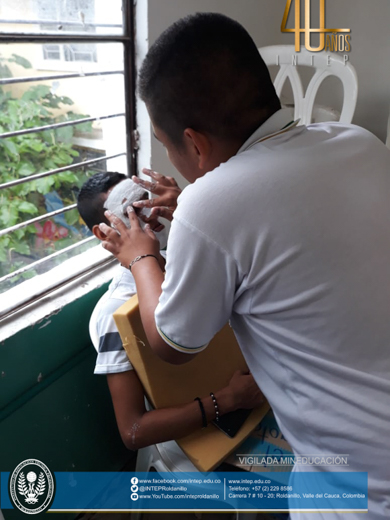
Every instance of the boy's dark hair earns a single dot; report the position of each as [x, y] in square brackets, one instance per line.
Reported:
[204, 72]
[89, 200]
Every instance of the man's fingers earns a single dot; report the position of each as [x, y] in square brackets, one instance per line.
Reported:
[155, 225]
[106, 229]
[159, 178]
[110, 232]
[154, 175]
[134, 222]
[149, 231]
[153, 187]
[110, 247]
[119, 225]
[163, 212]
[147, 203]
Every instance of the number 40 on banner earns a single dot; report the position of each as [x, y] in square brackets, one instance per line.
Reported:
[297, 30]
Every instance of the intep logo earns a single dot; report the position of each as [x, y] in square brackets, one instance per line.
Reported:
[330, 39]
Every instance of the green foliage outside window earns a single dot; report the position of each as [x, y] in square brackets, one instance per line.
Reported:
[25, 155]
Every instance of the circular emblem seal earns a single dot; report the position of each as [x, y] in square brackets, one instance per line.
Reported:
[31, 487]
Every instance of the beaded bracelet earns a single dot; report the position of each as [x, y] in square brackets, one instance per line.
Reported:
[204, 418]
[215, 406]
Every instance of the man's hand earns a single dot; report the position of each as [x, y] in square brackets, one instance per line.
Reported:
[126, 244]
[167, 192]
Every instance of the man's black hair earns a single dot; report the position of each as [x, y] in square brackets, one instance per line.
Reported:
[204, 72]
[89, 200]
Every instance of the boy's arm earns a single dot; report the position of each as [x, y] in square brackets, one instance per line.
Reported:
[139, 428]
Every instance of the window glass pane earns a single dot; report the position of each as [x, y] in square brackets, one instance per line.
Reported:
[77, 52]
[51, 52]
[38, 246]
[62, 17]
[92, 90]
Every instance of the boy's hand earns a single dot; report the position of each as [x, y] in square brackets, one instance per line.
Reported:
[126, 244]
[241, 392]
[167, 190]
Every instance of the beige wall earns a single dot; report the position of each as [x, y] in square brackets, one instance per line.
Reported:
[248, 12]
[370, 55]
[369, 22]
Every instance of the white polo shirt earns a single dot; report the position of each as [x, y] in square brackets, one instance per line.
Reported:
[290, 240]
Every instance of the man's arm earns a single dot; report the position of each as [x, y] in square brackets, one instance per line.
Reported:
[199, 288]
[139, 428]
[148, 276]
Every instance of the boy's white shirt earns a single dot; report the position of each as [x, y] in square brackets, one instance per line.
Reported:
[111, 356]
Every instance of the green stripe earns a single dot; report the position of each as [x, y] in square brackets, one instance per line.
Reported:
[288, 124]
[177, 344]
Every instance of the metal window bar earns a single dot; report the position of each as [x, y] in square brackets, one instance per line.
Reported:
[27, 79]
[130, 84]
[26, 223]
[58, 22]
[129, 77]
[49, 257]
[127, 39]
[15, 37]
[74, 166]
[58, 125]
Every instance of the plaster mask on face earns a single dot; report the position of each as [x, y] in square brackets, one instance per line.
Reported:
[121, 197]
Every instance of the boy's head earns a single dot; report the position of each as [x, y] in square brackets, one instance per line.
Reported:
[113, 191]
[121, 196]
[92, 196]
[205, 73]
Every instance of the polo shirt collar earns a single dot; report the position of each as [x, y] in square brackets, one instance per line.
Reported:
[274, 124]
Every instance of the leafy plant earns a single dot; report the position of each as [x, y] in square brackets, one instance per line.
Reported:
[28, 154]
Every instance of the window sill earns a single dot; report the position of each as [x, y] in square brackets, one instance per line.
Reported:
[67, 66]
[33, 300]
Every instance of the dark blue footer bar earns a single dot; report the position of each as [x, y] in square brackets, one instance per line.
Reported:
[216, 491]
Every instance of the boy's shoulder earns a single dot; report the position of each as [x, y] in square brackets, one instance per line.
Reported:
[122, 286]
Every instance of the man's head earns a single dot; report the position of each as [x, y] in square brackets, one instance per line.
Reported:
[205, 75]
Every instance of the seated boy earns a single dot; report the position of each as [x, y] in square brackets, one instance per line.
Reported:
[138, 427]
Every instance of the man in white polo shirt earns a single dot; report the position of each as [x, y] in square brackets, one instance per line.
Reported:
[284, 231]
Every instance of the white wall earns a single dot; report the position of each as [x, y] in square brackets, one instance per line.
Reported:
[369, 22]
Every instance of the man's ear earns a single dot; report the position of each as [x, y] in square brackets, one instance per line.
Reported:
[98, 233]
[199, 145]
